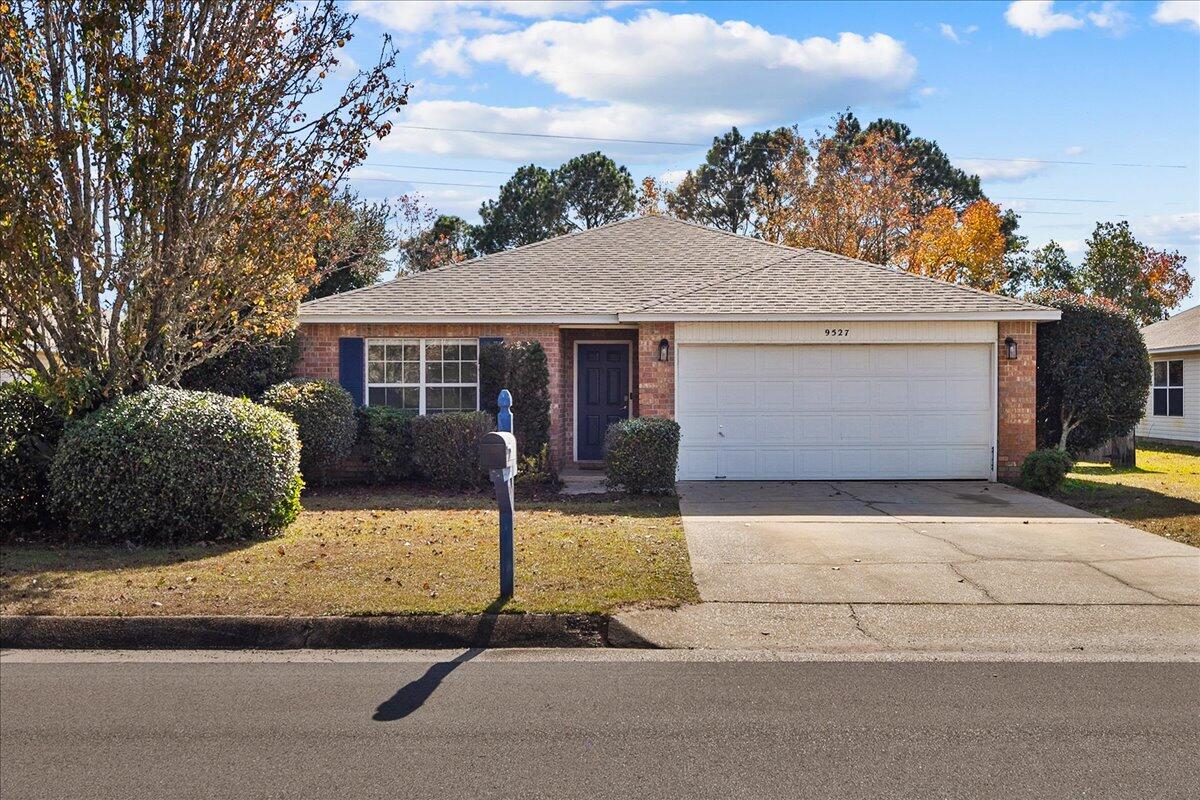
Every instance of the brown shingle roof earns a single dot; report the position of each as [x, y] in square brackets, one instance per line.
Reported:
[658, 266]
[1178, 332]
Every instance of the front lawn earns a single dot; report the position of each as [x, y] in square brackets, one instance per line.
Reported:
[372, 552]
[1160, 495]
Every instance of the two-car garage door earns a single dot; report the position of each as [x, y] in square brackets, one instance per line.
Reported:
[871, 411]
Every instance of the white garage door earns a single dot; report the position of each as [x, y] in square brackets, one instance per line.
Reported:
[835, 411]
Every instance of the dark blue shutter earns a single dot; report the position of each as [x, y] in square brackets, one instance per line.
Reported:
[351, 366]
[486, 340]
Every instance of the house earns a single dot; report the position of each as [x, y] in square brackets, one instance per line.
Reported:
[778, 363]
[1173, 406]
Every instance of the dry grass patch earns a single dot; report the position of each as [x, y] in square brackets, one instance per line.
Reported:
[1161, 495]
[374, 553]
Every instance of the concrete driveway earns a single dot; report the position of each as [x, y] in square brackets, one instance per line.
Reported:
[814, 564]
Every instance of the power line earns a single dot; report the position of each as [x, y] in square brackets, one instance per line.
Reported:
[1057, 199]
[428, 183]
[443, 169]
[667, 143]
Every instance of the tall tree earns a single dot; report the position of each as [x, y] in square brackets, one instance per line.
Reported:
[1050, 269]
[449, 240]
[1145, 281]
[723, 191]
[595, 190]
[855, 201]
[966, 248]
[352, 253]
[530, 208]
[163, 162]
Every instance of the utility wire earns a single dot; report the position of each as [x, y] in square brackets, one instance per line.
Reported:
[703, 144]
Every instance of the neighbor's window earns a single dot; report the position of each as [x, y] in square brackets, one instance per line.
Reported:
[428, 376]
[1168, 388]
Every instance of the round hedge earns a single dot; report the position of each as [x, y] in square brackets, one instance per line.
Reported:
[640, 455]
[1044, 470]
[29, 431]
[174, 465]
[325, 416]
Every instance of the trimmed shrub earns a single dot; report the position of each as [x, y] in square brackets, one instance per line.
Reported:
[325, 416]
[536, 470]
[29, 431]
[521, 368]
[446, 447]
[173, 465]
[1093, 373]
[640, 455]
[386, 437]
[247, 370]
[1044, 470]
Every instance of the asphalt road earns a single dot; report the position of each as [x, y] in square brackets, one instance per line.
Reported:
[575, 729]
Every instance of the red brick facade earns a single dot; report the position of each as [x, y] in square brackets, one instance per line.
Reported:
[1017, 398]
[656, 379]
[653, 382]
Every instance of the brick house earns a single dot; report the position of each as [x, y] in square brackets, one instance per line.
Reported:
[778, 363]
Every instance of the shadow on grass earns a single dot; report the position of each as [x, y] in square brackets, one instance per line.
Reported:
[1132, 503]
[412, 695]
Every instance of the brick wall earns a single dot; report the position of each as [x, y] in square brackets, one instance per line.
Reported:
[319, 356]
[656, 379]
[1017, 400]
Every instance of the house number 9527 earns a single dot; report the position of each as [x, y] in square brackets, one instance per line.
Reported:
[837, 331]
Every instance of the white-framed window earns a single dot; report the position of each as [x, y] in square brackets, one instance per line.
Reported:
[1168, 388]
[427, 376]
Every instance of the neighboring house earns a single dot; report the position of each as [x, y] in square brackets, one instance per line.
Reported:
[778, 363]
[1173, 407]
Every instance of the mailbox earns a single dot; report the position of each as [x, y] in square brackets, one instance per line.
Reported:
[498, 450]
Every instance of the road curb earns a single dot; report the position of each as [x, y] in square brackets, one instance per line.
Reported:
[286, 633]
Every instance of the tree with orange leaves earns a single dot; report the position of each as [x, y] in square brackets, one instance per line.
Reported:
[854, 200]
[967, 249]
[166, 176]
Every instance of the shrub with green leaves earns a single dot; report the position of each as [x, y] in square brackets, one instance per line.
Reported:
[29, 430]
[446, 447]
[640, 455]
[248, 369]
[387, 442]
[324, 413]
[1044, 470]
[174, 465]
[521, 368]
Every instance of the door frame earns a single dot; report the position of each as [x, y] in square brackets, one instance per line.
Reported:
[575, 388]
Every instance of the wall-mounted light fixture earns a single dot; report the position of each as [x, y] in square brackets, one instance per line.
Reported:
[1010, 347]
[664, 350]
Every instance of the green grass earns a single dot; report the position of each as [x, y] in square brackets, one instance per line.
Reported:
[362, 552]
[1161, 495]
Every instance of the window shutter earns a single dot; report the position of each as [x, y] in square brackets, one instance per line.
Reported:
[351, 366]
[486, 340]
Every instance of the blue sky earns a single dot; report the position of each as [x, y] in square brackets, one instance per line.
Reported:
[1098, 84]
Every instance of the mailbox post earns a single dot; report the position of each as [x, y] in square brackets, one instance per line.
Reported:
[498, 455]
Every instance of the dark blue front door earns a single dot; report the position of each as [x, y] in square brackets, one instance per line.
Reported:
[602, 395]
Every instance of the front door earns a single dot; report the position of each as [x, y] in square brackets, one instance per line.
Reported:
[601, 394]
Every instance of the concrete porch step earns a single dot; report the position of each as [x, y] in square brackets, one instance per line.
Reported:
[579, 480]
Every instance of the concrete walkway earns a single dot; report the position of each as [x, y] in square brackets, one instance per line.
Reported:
[941, 565]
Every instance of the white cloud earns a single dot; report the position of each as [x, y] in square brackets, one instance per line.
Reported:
[672, 177]
[452, 16]
[1073, 150]
[1170, 227]
[1111, 18]
[1000, 171]
[746, 71]
[447, 57]
[618, 120]
[1038, 18]
[954, 35]
[1178, 12]
[929, 91]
